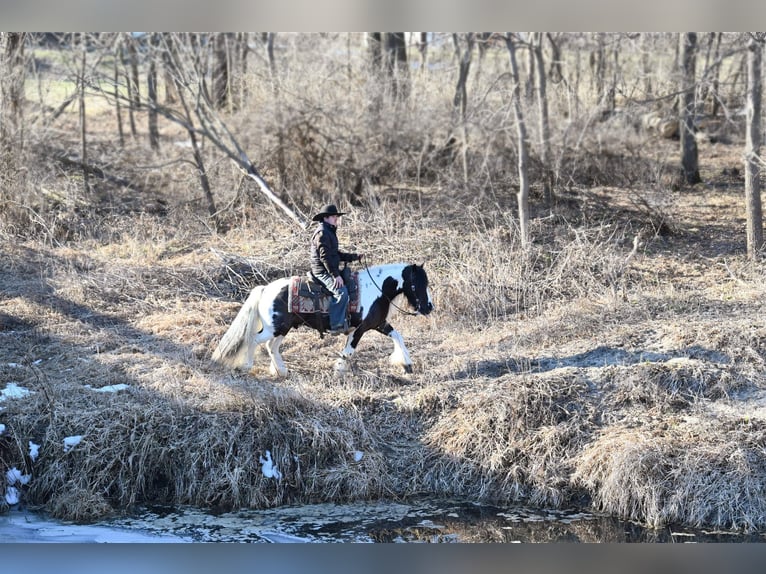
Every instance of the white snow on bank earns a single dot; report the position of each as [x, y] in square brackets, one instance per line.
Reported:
[13, 391]
[14, 475]
[12, 495]
[34, 451]
[109, 388]
[268, 467]
[71, 441]
[18, 526]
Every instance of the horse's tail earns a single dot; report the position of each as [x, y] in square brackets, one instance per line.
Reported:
[231, 351]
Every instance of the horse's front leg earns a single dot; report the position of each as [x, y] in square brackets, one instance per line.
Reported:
[341, 365]
[400, 356]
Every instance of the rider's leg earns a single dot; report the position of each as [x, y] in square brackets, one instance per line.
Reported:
[338, 307]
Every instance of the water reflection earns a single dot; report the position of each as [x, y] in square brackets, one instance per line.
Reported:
[429, 521]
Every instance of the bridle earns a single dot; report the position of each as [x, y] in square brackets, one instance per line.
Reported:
[391, 300]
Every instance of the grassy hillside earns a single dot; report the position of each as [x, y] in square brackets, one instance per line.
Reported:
[616, 364]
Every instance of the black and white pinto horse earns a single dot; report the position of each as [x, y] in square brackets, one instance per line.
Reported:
[265, 319]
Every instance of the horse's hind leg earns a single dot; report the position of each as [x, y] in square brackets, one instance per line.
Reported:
[277, 364]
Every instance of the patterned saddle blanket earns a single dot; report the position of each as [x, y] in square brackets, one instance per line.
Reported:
[305, 295]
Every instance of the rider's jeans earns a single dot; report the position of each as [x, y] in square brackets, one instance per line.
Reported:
[339, 302]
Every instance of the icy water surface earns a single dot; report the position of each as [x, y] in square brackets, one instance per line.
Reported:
[423, 521]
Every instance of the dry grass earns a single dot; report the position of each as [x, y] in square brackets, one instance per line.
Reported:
[536, 380]
[696, 472]
[515, 405]
[578, 371]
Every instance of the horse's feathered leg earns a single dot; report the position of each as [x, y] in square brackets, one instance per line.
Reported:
[400, 356]
[341, 365]
[277, 364]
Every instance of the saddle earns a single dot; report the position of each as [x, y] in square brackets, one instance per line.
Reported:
[307, 295]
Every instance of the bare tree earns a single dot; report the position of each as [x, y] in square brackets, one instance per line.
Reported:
[395, 50]
[221, 76]
[374, 50]
[374, 74]
[460, 101]
[12, 71]
[203, 121]
[689, 156]
[81, 82]
[521, 131]
[753, 147]
[134, 82]
[422, 44]
[131, 80]
[116, 79]
[545, 130]
[275, 90]
[12, 90]
[151, 93]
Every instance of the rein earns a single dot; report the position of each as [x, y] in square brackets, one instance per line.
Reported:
[391, 301]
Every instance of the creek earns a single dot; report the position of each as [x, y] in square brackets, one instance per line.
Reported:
[426, 520]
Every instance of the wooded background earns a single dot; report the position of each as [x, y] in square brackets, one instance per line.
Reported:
[98, 122]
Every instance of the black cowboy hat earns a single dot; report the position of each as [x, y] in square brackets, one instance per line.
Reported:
[326, 211]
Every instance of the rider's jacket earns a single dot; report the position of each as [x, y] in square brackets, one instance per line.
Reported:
[325, 254]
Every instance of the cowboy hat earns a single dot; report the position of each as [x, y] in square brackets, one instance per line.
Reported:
[327, 211]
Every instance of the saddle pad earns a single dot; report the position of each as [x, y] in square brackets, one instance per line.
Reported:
[301, 298]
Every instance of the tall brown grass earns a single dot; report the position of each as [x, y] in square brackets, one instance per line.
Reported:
[615, 363]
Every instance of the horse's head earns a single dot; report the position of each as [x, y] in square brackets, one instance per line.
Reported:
[416, 289]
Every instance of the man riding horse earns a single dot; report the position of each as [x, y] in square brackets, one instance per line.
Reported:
[325, 265]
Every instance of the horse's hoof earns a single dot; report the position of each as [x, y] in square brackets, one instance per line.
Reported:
[341, 366]
[408, 369]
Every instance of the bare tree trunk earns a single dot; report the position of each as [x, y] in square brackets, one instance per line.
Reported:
[132, 106]
[753, 149]
[243, 49]
[529, 82]
[374, 50]
[716, 78]
[396, 64]
[423, 49]
[171, 89]
[135, 81]
[374, 86]
[545, 130]
[151, 93]
[275, 89]
[523, 194]
[598, 67]
[12, 89]
[611, 93]
[83, 126]
[12, 72]
[221, 79]
[117, 99]
[646, 70]
[198, 160]
[689, 155]
[460, 101]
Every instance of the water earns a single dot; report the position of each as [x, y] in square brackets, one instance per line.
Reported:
[429, 521]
